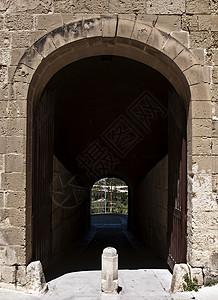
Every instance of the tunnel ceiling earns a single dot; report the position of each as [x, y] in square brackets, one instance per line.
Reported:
[110, 117]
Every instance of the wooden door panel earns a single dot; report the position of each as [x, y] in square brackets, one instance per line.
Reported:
[43, 127]
[177, 181]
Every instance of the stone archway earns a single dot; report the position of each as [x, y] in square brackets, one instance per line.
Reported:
[112, 36]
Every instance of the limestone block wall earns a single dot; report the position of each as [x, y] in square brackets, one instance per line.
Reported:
[192, 24]
[152, 208]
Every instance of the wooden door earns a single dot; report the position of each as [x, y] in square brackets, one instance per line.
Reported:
[43, 128]
[176, 181]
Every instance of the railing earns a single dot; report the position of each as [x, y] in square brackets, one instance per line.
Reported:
[109, 195]
[100, 206]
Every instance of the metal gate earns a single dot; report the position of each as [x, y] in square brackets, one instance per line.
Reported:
[43, 127]
[177, 181]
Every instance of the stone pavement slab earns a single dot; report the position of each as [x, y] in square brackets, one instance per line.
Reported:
[14, 295]
[150, 284]
[134, 284]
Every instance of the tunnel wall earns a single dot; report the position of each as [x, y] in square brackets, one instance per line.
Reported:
[68, 212]
[151, 210]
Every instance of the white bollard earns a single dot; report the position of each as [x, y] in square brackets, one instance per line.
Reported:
[109, 275]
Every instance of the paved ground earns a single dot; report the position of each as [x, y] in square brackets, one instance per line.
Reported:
[141, 274]
[135, 284]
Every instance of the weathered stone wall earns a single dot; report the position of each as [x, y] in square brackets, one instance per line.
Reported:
[152, 208]
[194, 23]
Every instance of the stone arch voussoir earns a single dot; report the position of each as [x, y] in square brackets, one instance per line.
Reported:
[110, 35]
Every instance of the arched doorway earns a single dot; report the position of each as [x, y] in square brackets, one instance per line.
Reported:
[106, 35]
[104, 115]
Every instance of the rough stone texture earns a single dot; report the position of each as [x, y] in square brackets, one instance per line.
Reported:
[178, 277]
[215, 128]
[210, 271]
[201, 39]
[8, 274]
[127, 6]
[208, 22]
[15, 163]
[15, 200]
[21, 40]
[18, 22]
[201, 127]
[165, 7]
[196, 273]
[29, 279]
[15, 217]
[2, 199]
[201, 109]
[189, 23]
[37, 6]
[180, 27]
[201, 145]
[35, 277]
[197, 6]
[5, 39]
[13, 181]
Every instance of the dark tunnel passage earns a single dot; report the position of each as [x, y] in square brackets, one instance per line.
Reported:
[105, 116]
[98, 104]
